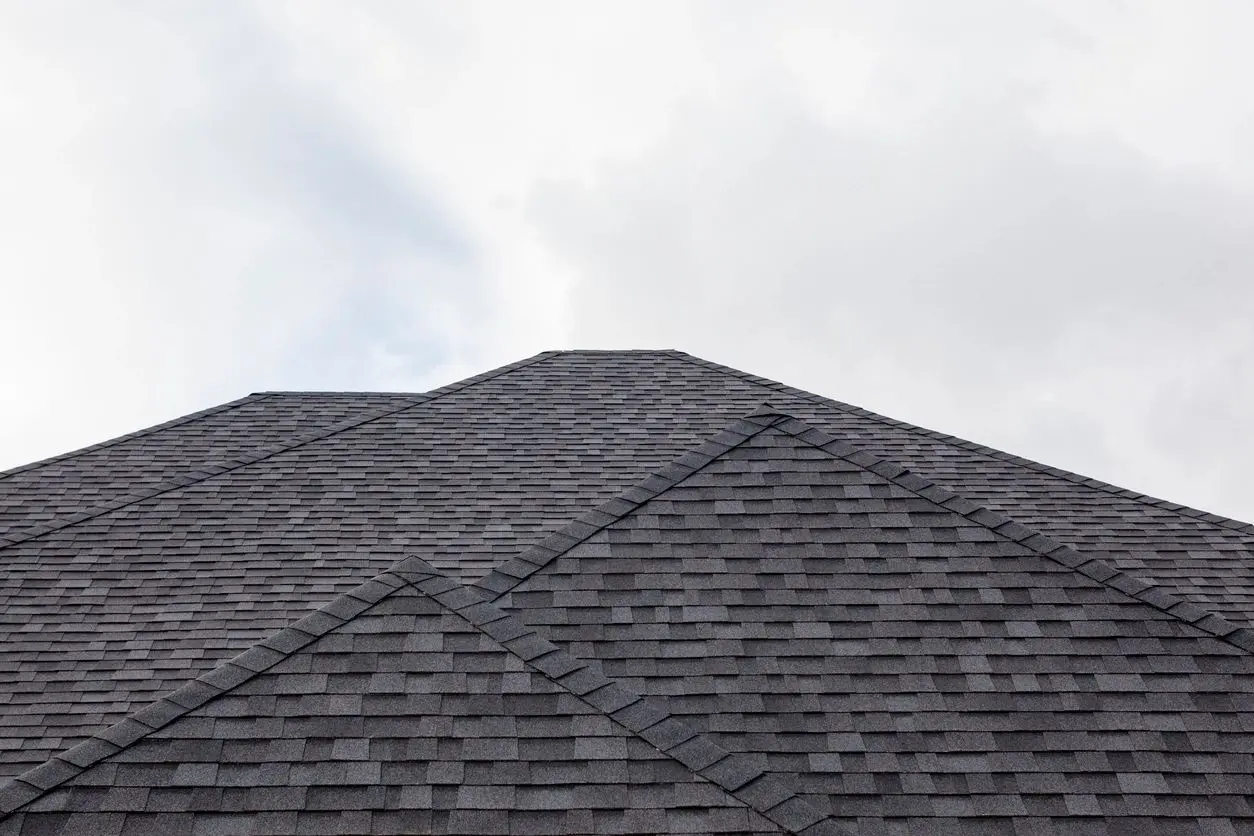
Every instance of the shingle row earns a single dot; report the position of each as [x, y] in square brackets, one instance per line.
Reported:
[913, 661]
[102, 615]
[398, 699]
[39, 496]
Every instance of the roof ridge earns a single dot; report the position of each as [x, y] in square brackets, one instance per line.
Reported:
[640, 716]
[211, 469]
[155, 428]
[643, 717]
[600, 351]
[1092, 567]
[991, 452]
[256, 396]
[514, 571]
[339, 392]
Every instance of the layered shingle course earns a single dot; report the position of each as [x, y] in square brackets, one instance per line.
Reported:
[914, 661]
[48, 494]
[973, 642]
[1206, 557]
[407, 705]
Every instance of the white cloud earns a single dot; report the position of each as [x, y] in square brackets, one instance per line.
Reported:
[943, 253]
[1024, 223]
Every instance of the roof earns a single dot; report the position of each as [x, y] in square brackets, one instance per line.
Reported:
[407, 705]
[913, 633]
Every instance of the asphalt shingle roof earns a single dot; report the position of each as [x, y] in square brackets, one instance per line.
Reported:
[911, 668]
[915, 652]
[59, 488]
[407, 705]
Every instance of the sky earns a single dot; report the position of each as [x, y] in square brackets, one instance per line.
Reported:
[1029, 224]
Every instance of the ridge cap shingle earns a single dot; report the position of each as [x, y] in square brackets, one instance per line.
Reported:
[208, 470]
[336, 393]
[511, 573]
[30, 785]
[644, 717]
[1196, 514]
[625, 351]
[180, 421]
[1102, 571]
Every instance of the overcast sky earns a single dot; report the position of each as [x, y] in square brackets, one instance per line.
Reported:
[1030, 224]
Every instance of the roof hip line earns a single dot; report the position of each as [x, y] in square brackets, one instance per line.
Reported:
[155, 428]
[226, 677]
[212, 469]
[511, 573]
[1000, 455]
[642, 717]
[1090, 566]
[503, 579]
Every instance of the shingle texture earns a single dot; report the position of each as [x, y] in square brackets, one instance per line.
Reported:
[80, 482]
[913, 667]
[407, 718]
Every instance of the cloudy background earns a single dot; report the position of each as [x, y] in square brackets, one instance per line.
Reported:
[1030, 224]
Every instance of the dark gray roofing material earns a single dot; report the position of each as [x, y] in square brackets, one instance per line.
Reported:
[1204, 556]
[910, 659]
[168, 571]
[43, 493]
[847, 627]
[101, 614]
[405, 705]
[971, 446]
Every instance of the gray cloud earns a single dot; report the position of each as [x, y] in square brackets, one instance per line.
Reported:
[1068, 299]
[221, 226]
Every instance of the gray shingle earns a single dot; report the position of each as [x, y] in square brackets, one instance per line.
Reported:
[800, 631]
[348, 758]
[802, 609]
[239, 551]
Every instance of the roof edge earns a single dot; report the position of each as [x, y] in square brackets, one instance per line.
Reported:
[337, 393]
[210, 469]
[155, 428]
[1095, 568]
[992, 452]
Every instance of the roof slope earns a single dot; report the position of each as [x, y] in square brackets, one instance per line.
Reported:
[404, 706]
[819, 630]
[78, 482]
[136, 564]
[908, 667]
